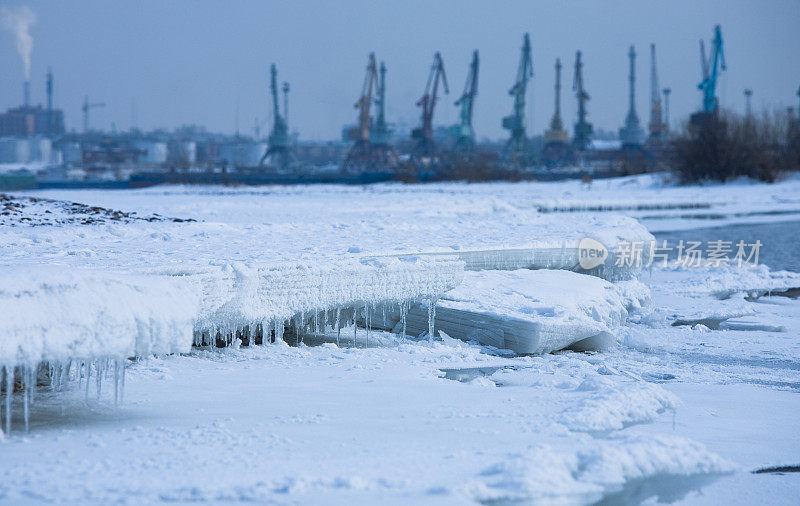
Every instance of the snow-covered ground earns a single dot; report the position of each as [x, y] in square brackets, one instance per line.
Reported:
[698, 389]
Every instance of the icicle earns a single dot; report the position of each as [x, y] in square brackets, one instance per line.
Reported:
[431, 317]
[64, 375]
[100, 370]
[9, 394]
[88, 375]
[122, 381]
[116, 382]
[301, 327]
[324, 320]
[338, 328]
[355, 330]
[383, 306]
[403, 313]
[366, 323]
[26, 395]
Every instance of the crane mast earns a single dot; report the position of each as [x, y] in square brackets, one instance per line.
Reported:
[425, 147]
[465, 135]
[518, 146]
[365, 101]
[583, 129]
[556, 149]
[381, 134]
[631, 134]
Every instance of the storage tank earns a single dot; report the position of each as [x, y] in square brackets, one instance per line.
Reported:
[71, 153]
[182, 152]
[14, 150]
[242, 154]
[155, 152]
[41, 149]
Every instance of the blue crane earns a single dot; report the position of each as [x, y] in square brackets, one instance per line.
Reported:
[280, 150]
[425, 147]
[711, 69]
[518, 146]
[465, 135]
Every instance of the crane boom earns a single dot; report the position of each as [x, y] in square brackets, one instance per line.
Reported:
[365, 101]
[380, 135]
[711, 70]
[583, 129]
[518, 148]
[424, 134]
[516, 122]
[280, 144]
[465, 134]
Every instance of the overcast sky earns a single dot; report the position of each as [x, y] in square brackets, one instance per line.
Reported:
[183, 62]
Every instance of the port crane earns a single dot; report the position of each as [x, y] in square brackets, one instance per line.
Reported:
[381, 135]
[465, 135]
[86, 107]
[583, 129]
[279, 151]
[518, 147]
[371, 149]
[425, 148]
[711, 69]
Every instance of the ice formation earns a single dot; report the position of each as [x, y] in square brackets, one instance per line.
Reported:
[74, 323]
[531, 311]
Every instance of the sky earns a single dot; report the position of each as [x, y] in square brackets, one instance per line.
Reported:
[158, 63]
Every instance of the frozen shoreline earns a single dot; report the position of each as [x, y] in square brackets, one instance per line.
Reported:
[380, 422]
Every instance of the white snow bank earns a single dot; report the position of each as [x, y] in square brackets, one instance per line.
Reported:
[54, 314]
[548, 474]
[533, 311]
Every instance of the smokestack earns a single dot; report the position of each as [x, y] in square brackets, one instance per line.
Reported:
[50, 126]
[26, 91]
[49, 90]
